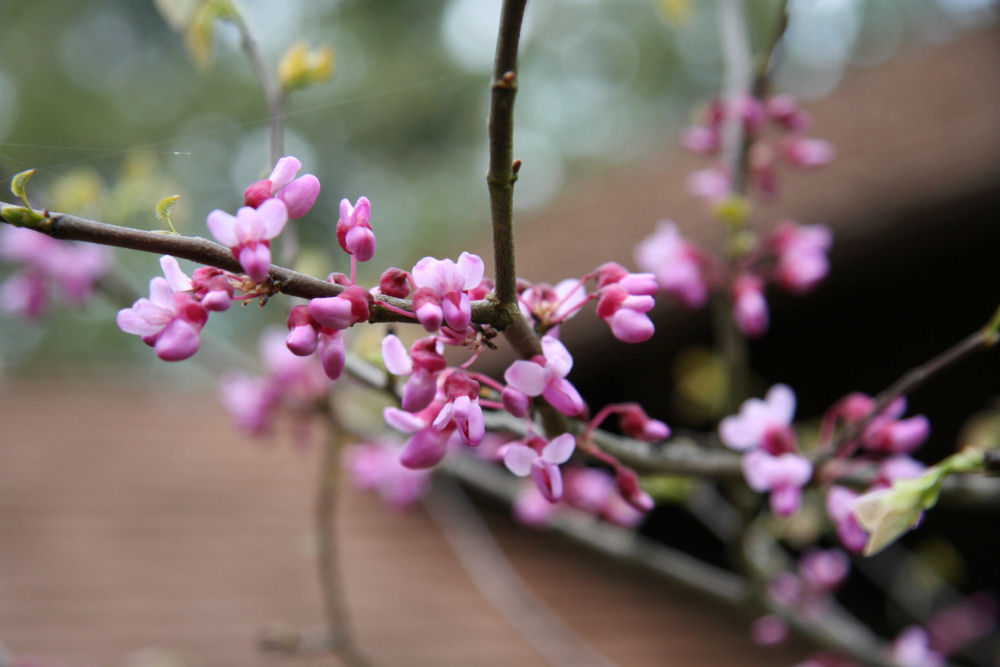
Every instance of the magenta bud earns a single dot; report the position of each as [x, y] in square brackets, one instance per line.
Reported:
[360, 242]
[419, 391]
[515, 402]
[425, 449]
[302, 340]
[332, 354]
[338, 278]
[258, 193]
[628, 486]
[394, 282]
[637, 424]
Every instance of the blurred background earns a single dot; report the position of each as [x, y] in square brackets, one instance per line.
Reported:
[108, 105]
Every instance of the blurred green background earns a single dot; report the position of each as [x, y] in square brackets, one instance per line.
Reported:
[105, 102]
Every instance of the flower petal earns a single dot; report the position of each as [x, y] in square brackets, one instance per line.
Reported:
[526, 376]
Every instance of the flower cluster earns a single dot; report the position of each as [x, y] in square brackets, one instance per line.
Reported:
[295, 383]
[792, 256]
[771, 461]
[50, 267]
[782, 115]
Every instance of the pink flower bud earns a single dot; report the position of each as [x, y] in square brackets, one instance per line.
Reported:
[344, 310]
[394, 282]
[332, 354]
[419, 391]
[749, 306]
[515, 402]
[300, 195]
[637, 424]
[256, 194]
[302, 332]
[628, 486]
[427, 307]
[424, 449]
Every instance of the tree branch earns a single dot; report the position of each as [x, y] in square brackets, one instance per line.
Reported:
[209, 253]
[502, 173]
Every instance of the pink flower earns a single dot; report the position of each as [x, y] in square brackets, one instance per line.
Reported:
[298, 194]
[765, 424]
[675, 262]
[749, 305]
[807, 152]
[912, 649]
[354, 229]
[462, 408]
[531, 508]
[448, 281]
[376, 467]
[425, 365]
[249, 234]
[824, 569]
[783, 476]
[541, 460]
[838, 508]
[549, 306]
[546, 376]
[785, 110]
[250, 401]
[171, 319]
[351, 306]
[802, 255]
[428, 445]
[711, 183]
[626, 314]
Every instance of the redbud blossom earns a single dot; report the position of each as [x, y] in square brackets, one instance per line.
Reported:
[759, 422]
[428, 445]
[303, 332]
[675, 262]
[802, 255]
[541, 460]
[249, 234]
[462, 408]
[354, 229]
[546, 376]
[637, 424]
[298, 194]
[632, 492]
[394, 282]
[332, 354]
[626, 314]
[912, 649]
[376, 467]
[750, 310]
[171, 319]
[838, 508]
[449, 282]
[427, 362]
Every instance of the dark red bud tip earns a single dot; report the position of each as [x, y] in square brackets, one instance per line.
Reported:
[394, 282]
[298, 316]
[257, 193]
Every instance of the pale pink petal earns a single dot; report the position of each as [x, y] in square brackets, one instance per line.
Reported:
[548, 479]
[563, 396]
[559, 449]
[739, 433]
[397, 360]
[161, 294]
[272, 215]
[178, 340]
[424, 450]
[630, 326]
[519, 458]
[403, 420]
[471, 268]
[223, 228]
[419, 391]
[256, 261]
[558, 360]
[131, 321]
[249, 225]
[781, 401]
[423, 271]
[284, 171]
[177, 279]
[300, 195]
[526, 376]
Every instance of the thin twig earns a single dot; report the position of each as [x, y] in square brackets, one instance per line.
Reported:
[330, 575]
[491, 572]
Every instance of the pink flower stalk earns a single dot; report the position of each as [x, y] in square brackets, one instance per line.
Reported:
[249, 234]
[546, 376]
[541, 460]
[802, 255]
[73, 270]
[675, 262]
[750, 310]
[376, 467]
[354, 229]
[462, 408]
[447, 282]
[424, 367]
[171, 319]
[838, 507]
[298, 194]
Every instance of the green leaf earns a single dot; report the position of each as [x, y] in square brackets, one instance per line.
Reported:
[18, 184]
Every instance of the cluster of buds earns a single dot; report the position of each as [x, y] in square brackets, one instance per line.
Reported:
[791, 145]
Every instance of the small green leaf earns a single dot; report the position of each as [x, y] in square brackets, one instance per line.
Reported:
[18, 184]
[164, 208]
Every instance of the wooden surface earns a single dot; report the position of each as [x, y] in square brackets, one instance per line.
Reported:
[137, 526]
